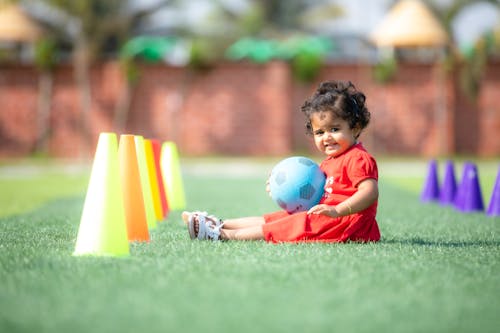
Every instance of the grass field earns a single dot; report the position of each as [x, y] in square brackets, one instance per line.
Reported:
[435, 269]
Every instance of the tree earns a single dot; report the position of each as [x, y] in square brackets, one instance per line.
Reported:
[45, 59]
[92, 28]
[472, 64]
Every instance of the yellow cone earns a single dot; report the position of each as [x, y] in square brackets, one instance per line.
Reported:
[172, 175]
[146, 185]
[103, 230]
[155, 191]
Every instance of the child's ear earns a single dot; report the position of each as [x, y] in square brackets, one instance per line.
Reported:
[356, 131]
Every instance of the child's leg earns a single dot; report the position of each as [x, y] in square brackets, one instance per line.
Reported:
[243, 222]
[243, 228]
[249, 233]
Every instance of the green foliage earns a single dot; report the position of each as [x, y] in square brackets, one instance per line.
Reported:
[385, 71]
[202, 54]
[474, 65]
[130, 70]
[251, 23]
[476, 56]
[305, 54]
[306, 66]
[46, 53]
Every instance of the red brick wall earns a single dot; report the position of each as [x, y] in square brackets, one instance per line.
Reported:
[249, 109]
[18, 105]
[234, 109]
[402, 111]
[488, 114]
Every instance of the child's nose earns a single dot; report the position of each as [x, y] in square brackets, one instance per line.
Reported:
[328, 136]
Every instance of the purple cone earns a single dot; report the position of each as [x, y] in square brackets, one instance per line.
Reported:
[494, 206]
[430, 191]
[469, 197]
[449, 186]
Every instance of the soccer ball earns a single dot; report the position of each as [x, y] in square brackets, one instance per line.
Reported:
[296, 184]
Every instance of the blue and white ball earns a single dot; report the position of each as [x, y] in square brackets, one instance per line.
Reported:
[296, 184]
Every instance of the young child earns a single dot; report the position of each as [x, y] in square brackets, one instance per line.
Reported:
[336, 114]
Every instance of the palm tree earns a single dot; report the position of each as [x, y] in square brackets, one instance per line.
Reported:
[473, 64]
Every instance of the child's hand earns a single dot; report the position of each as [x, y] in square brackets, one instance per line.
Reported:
[323, 209]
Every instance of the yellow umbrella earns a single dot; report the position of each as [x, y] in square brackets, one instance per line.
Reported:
[409, 24]
[16, 26]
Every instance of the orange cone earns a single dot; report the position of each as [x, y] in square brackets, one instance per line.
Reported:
[153, 179]
[161, 183]
[135, 212]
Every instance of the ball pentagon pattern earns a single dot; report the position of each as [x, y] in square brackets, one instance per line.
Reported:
[296, 184]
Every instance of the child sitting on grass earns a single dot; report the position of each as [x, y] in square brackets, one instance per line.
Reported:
[335, 115]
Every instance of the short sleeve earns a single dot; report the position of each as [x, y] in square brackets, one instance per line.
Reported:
[362, 166]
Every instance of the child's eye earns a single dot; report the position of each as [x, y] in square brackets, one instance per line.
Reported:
[319, 133]
[334, 129]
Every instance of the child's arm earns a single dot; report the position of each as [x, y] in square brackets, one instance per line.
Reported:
[366, 195]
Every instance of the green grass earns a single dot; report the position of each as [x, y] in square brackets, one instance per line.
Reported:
[26, 186]
[435, 270]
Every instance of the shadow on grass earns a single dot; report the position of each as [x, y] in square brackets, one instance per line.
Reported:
[451, 244]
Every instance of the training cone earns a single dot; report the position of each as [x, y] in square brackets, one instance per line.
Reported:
[431, 186]
[172, 176]
[494, 206]
[460, 193]
[135, 213]
[469, 197]
[103, 230]
[449, 186]
[145, 184]
[161, 184]
[153, 179]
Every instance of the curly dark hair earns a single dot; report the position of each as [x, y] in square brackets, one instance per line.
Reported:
[342, 99]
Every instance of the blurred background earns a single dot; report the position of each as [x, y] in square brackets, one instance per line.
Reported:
[228, 77]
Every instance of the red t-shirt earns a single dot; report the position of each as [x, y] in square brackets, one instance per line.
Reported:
[343, 174]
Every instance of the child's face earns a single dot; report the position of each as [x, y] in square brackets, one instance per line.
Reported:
[332, 135]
